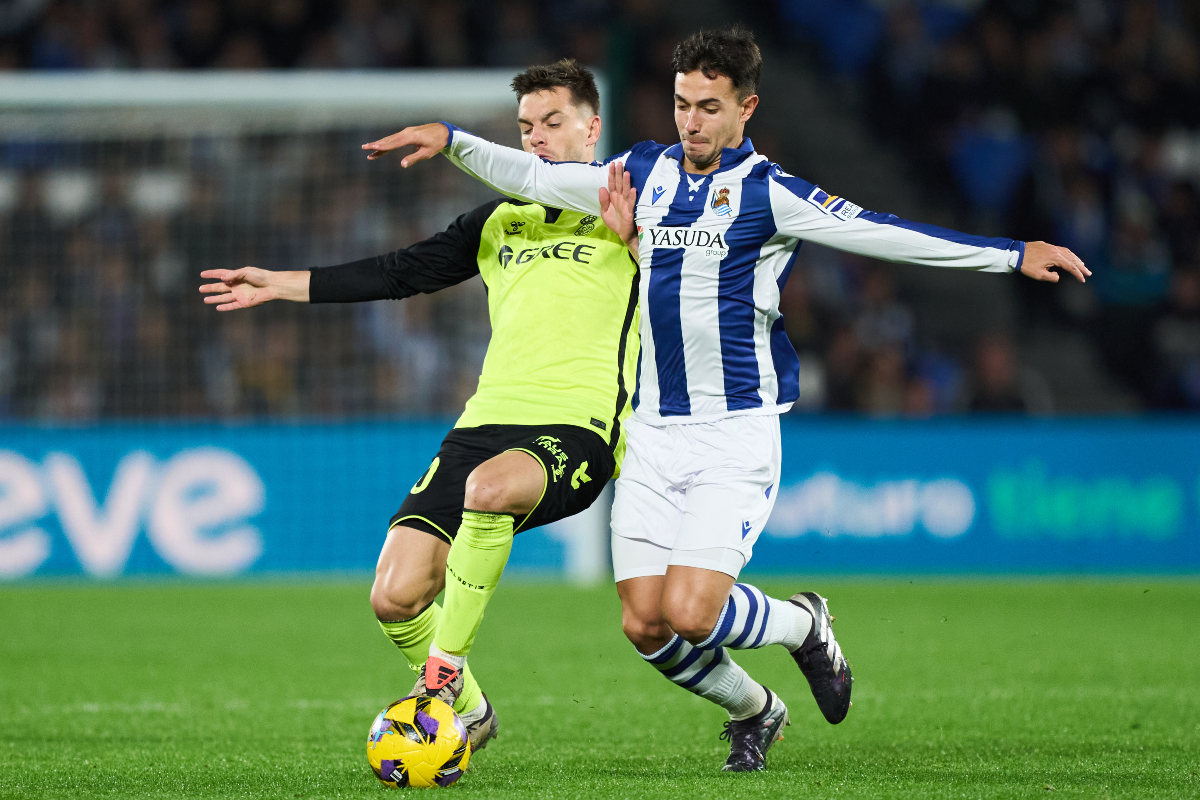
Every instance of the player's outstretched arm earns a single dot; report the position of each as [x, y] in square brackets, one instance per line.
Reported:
[807, 212]
[618, 202]
[507, 170]
[429, 140]
[249, 286]
[1041, 259]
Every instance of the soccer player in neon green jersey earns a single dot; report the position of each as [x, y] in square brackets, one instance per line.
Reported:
[543, 433]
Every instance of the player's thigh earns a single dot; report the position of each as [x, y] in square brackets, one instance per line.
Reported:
[730, 498]
[577, 463]
[512, 482]
[410, 573]
[435, 502]
[647, 506]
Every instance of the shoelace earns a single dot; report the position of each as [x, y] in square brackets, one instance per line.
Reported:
[822, 646]
[734, 728]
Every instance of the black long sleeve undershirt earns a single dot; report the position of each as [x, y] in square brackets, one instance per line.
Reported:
[445, 259]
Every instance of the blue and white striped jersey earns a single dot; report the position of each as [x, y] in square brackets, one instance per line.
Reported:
[715, 252]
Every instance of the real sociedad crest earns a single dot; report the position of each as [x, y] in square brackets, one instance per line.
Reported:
[720, 203]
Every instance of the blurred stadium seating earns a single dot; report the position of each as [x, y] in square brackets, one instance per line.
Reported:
[1071, 122]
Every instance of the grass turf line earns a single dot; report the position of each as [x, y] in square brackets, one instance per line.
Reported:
[964, 689]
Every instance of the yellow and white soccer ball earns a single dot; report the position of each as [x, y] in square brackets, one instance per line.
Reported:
[419, 742]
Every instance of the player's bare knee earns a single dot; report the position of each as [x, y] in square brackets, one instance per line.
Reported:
[487, 491]
[647, 635]
[395, 603]
[691, 620]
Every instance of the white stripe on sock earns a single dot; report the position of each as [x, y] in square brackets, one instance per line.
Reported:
[725, 682]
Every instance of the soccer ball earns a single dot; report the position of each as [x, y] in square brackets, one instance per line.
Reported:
[420, 742]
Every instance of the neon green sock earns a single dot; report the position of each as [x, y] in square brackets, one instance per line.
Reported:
[413, 637]
[473, 570]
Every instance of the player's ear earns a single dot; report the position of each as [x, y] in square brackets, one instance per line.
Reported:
[594, 126]
[748, 106]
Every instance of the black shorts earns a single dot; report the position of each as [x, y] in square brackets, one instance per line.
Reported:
[578, 464]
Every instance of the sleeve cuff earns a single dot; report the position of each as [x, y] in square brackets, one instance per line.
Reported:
[1020, 256]
[451, 129]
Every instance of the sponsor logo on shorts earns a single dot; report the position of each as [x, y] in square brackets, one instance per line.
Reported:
[580, 477]
[552, 446]
[745, 529]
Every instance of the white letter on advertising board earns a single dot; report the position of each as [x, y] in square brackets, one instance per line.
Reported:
[203, 496]
[102, 538]
[22, 500]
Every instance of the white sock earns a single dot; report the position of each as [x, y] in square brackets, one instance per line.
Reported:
[475, 714]
[458, 662]
[711, 674]
[750, 620]
[747, 698]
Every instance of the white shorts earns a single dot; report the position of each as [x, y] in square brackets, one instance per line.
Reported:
[694, 495]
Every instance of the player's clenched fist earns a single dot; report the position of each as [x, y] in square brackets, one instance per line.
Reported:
[428, 139]
[249, 286]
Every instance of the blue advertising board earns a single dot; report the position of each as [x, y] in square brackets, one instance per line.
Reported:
[855, 496]
[987, 496]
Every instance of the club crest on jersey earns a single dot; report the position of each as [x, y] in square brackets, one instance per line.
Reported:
[837, 206]
[720, 202]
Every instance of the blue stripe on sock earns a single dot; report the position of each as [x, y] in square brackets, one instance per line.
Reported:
[684, 663]
[717, 655]
[724, 626]
[750, 619]
[668, 653]
[763, 629]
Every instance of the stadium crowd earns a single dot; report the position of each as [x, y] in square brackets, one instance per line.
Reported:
[1074, 121]
[1071, 122]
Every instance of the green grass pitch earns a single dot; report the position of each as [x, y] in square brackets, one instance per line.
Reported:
[987, 688]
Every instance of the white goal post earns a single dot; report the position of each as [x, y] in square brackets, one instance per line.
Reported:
[220, 99]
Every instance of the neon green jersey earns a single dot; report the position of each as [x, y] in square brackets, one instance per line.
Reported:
[562, 296]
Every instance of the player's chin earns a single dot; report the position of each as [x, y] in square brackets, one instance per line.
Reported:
[701, 157]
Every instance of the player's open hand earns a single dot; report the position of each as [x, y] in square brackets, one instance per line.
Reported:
[428, 139]
[1041, 260]
[238, 288]
[618, 204]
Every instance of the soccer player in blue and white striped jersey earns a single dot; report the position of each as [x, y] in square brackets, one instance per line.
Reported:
[718, 227]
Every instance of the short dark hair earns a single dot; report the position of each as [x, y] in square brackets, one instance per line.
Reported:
[730, 52]
[567, 73]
